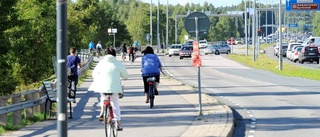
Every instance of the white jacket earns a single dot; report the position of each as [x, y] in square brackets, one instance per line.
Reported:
[106, 75]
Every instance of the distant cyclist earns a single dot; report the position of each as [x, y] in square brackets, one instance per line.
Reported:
[99, 48]
[123, 51]
[132, 53]
[91, 47]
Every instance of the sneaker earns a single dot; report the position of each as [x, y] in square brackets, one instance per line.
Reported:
[119, 128]
[101, 118]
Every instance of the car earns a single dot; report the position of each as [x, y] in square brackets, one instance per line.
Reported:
[239, 41]
[295, 54]
[231, 42]
[203, 43]
[309, 53]
[222, 42]
[189, 42]
[290, 49]
[311, 40]
[214, 48]
[291, 55]
[185, 51]
[224, 49]
[284, 49]
[174, 49]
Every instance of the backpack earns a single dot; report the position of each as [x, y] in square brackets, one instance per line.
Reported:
[71, 70]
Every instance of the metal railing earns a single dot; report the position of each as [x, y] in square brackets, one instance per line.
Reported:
[30, 102]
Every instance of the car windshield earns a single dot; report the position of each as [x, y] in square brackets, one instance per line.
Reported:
[186, 48]
[202, 41]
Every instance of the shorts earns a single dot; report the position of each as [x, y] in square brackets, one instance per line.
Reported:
[146, 85]
[99, 50]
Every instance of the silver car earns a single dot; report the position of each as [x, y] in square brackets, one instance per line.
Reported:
[290, 49]
[224, 49]
[211, 49]
[295, 54]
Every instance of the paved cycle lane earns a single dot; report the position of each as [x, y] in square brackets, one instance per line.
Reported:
[174, 114]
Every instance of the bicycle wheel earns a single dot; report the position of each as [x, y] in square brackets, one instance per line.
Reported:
[107, 125]
[114, 128]
[151, 95]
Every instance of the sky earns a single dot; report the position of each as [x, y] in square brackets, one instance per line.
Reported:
[216, 3]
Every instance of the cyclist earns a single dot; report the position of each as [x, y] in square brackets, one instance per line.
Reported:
[99, 48]
[132, 53]
[151, 67]
[123, 50]
[106, 77]
[91, 47]
[75, 61]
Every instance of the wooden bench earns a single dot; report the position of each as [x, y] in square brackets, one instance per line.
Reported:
[52, 98]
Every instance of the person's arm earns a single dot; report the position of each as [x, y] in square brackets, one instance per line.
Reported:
[79, 62]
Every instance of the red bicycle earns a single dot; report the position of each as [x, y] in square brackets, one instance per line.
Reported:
[110, 124]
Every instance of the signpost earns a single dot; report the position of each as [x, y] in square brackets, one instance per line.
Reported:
[113, 32]
[302, 5]
[197, 24]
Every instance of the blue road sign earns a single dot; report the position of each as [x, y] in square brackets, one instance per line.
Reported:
[293, 25]
[302, 5]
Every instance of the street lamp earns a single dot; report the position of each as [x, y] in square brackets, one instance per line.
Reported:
[113, 31]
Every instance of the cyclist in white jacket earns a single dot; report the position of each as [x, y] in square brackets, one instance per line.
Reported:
[107, 79]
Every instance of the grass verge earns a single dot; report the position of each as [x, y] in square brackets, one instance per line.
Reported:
[266, 63]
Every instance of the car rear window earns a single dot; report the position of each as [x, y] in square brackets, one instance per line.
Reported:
[187, 48]
[311, 49]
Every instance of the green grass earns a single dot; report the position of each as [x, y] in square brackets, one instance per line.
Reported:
[265, 63]
[29, 121]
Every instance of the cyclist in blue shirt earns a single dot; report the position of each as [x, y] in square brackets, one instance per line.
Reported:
[151, 67]
[91, 47]
[75, 61]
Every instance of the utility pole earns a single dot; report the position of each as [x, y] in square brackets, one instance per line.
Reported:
[151, 36]
[158, 29]
[280, 37]
[246, 26]
[167, 27]
[62, 41]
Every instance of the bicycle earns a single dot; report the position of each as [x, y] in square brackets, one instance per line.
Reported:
[151, 82]
[110, 124]
[123, 55]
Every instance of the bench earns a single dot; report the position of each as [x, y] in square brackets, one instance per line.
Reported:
[51, 98]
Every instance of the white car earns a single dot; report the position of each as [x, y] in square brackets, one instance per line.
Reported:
[174, 49]
[203, 43]
[290, 49]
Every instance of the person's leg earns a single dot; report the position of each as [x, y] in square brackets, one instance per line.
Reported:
[156, 85]
[102, 98]
[74, 84]
[116, 109]
[146, 88]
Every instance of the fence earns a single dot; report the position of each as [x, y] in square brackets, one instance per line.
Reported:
[30, 102]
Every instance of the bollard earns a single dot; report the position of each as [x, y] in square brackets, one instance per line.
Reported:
[16, 115]
[29, 111]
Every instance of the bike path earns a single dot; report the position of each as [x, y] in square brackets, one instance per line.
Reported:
[175, 112]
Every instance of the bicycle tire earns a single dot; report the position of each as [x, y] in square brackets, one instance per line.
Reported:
[114, 129]
[151, 95]
[107, 125]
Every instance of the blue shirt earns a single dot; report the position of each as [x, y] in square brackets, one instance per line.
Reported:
[91, 45]
[73, 60]
[150, 65]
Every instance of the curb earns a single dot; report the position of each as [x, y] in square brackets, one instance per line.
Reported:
[216, 119]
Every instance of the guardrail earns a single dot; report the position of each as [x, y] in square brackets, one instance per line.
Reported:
[26, 104]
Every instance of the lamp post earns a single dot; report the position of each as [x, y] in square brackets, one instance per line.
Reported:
[158, 28]
[167, 24]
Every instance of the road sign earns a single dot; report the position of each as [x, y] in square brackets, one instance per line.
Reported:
[203, 24]
[293, 25]
[302, 5]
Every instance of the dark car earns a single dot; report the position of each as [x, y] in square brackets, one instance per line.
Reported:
[309, 53]
[186, 51]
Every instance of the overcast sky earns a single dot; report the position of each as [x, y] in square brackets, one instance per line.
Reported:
[216, 3]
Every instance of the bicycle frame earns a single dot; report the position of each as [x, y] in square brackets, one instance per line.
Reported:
[109, 122]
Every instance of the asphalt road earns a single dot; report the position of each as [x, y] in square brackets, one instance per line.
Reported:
[265, 104]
